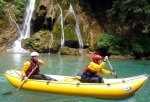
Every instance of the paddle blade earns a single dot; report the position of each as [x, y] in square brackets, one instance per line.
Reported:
[8, 93]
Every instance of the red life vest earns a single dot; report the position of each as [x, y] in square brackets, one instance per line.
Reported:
[86, 68]
[32, 66]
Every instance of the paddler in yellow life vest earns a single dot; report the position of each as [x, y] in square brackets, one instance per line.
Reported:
[29, 65]
[90, 72]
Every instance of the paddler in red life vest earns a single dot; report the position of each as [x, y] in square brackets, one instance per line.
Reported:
[34, 62]
[90, 72]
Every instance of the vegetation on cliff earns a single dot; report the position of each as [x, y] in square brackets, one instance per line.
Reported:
[126, 25]
[2, 5]
[120, 27]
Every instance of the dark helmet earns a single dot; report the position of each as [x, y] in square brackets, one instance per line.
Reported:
[96, 57]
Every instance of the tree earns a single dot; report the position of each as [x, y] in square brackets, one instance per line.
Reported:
[132, 17]
[2, 5]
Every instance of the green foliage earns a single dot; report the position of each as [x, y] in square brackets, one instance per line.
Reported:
[120, 45]
[70, 19]
[86, 6]
[141, 46]
[57, 31]
[115, 44]
[43, 32]
[65, 5]
[2, 5]
[9, 0]
[96, 8]
[137, 48]
[69, 28]
[20, 7]
[134, 15]
[70, 33]
[132, 22]
[3, 23]
[37, 2]
[36, 43]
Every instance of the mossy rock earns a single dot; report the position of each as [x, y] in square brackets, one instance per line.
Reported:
[69, 51]
[4, 23]
[57, 31]
[40, 42]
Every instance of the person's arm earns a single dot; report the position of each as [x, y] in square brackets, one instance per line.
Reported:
[96, 67]
[102, 65]
[25, 68]
[106, 72]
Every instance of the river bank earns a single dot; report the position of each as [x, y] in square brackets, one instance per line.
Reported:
[89, 53]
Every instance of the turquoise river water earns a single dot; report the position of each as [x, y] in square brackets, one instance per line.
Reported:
[69, 66]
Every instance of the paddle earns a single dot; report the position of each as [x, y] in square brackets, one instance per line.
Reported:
[111, 68]
[10, 92]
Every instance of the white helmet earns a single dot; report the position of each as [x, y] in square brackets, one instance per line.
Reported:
[34, 54]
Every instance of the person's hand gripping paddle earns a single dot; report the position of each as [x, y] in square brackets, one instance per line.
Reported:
[11, 92]
[112, 69]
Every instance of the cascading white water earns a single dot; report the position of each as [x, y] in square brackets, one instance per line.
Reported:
[77, 29]
[62, 27]
[53, 15]
[25, 32]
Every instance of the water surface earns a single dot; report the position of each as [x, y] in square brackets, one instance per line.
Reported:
[70, 66]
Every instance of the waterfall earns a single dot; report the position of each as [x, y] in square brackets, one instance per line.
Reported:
[62, 27]
[77, 29]
[51, 35]
[25, 32]
[51, 42]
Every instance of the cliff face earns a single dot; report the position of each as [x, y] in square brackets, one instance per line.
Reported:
[46, 22]
[9, 31]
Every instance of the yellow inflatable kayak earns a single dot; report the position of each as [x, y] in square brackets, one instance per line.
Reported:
[69, 85]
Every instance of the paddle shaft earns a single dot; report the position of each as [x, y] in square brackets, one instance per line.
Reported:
[10, 92]
[112, 68]
[27, 77]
